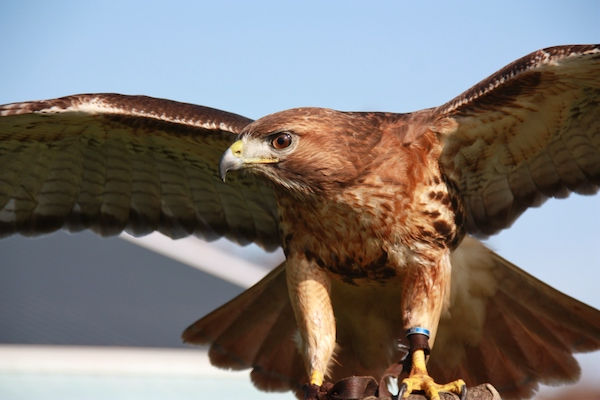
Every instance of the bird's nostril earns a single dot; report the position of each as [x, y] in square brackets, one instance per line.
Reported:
[236, 148]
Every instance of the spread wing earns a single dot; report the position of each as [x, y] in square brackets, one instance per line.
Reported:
[111, 162]
[529, 132]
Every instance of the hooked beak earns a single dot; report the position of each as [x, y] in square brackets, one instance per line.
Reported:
[234, 158]
[231, 159]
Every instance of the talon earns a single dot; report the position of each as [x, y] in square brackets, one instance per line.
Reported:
[419, 380]
[463, 392]
[403, 389]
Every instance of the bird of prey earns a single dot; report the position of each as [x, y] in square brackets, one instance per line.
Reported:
[377, 214]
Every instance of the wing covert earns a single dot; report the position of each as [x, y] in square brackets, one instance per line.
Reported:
[529, 132]
[111, 162]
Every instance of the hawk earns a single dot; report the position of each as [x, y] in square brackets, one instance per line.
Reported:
[377, 214]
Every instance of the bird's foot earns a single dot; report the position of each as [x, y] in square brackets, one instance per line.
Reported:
[419, 380]
[424, 383]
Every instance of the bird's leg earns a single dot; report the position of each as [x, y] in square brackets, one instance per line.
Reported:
[419, 378]
[424, 292]
[309, 288]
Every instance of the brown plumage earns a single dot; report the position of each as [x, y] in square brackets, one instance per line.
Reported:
[373, 210]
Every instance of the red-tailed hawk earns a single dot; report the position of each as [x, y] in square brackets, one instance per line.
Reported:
[375, 213]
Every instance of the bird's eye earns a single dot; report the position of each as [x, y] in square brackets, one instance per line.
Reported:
[281, 141]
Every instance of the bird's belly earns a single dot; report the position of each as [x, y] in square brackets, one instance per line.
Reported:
[352, 269]
[346, 243]
[354, 254]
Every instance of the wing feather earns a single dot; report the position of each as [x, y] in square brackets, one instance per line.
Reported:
[144, 215]
[529, 132]
[111, 162]
[116, 188]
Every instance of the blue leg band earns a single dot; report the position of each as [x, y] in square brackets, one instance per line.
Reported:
[417, 330]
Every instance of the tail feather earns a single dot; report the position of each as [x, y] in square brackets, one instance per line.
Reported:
[534, 358]
[248, 317]
[576, 324]
[242, 339]
[541, 352]
[524, 330]
[543, 328]
[278, 365]
[255, 330]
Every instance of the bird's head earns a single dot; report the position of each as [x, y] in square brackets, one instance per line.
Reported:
[304, 149]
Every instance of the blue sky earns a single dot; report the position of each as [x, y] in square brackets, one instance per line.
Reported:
[254, 58]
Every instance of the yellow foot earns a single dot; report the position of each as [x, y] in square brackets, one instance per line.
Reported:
[316, 378]
[419, 380]
[432, 390]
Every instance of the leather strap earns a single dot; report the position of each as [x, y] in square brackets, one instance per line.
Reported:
[419, 341]
[351, 388]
